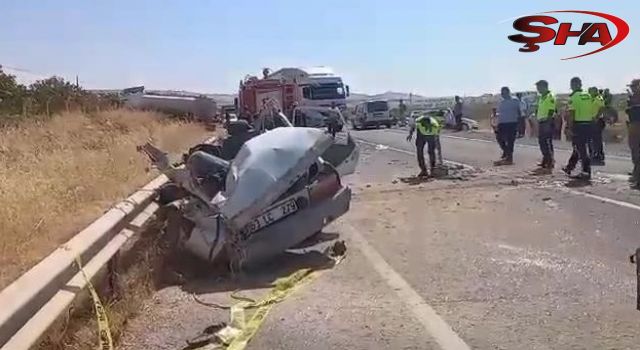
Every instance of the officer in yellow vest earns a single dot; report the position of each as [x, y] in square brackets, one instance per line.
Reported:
[581, 121]
[546, 123]
[428, 132]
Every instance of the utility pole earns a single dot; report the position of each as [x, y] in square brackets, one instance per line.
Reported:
[77, 82]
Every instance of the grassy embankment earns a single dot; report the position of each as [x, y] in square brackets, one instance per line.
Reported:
[58, 175]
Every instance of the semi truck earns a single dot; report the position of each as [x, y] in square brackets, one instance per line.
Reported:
[320, 86]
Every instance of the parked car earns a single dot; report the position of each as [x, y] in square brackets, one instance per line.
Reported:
[277, 191]
[372, 113]
[317, 117]
[445, 116]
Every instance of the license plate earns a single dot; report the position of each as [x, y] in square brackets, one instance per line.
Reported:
[269, 217]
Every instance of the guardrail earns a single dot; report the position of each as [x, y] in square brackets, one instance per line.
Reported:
[33, 302]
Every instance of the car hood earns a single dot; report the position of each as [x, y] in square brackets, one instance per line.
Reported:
[265, 167]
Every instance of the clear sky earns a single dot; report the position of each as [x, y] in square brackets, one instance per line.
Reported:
[434, 48]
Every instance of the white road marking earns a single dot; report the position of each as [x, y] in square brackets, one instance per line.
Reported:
[524, 146]
[526, 262]
[604, 199]
[567, 190]
[435, 326]
[519, 145]
[411, 153]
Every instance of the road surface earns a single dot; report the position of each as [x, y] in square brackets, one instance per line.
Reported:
[491, 258]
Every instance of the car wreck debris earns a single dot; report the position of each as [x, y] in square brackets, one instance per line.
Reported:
[276, 192]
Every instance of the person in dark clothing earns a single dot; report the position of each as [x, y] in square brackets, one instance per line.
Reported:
[633, 126]
[596, 146]
[545, 115]
[522, 122]
[457, 113]
[428, 132]
[508, 117]
[581, 120]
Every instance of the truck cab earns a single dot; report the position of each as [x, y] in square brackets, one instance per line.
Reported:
[320, 86]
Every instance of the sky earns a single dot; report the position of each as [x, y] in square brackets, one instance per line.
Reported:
[431, 48]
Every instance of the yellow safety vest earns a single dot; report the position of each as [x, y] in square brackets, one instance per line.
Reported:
[581, 103]
[546, 104]
[598, 102]
[428, 130]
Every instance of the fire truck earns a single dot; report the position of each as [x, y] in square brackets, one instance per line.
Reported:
[256, 95]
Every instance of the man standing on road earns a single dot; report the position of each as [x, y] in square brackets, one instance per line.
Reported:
[332, 120]
[522, 122]
[633, 126]
[580, 122]
[457, 113]
[545, 116]
[402, 113]
[428, 132]
[597, 146]
[508, 118]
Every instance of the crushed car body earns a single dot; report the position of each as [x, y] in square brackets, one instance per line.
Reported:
[275, 193]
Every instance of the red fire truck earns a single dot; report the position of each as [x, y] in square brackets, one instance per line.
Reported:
[256, 94]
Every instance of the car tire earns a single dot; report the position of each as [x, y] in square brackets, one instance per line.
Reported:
[465, 127]
[388, 126]
[354, 126]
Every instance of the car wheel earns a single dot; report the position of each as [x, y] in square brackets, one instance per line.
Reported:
[465, 127]
[388, 126]
[354, 126]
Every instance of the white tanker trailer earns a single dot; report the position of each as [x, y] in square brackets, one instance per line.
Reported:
[201, 108]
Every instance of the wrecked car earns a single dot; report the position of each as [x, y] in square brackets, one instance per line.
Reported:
[276, 192]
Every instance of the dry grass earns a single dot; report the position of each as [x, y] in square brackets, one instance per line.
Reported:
[57, 176]
[136, 279]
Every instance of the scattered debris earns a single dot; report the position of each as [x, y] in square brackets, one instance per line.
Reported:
[550, 203]
[380, 147]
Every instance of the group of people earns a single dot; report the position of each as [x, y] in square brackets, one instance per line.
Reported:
[586, 116]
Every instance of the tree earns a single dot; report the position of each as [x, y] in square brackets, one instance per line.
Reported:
[11, 94]
[53, 95]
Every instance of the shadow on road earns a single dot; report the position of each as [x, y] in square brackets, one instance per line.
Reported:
[260, 277]
[415, 180]
[576, 183]
[195, 276]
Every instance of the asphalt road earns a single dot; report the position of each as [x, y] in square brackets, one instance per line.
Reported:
[490, 258]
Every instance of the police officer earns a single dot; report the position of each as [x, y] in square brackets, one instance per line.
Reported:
[546, 124]
[580, 121]
[633, 125]
[428, 132]
[596, 150]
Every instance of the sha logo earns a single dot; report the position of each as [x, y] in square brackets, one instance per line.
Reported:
[590, 31]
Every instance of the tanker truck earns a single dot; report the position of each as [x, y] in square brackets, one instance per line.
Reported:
[199, 107]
